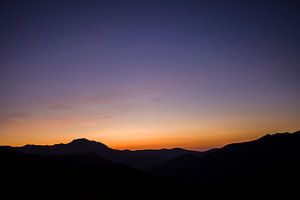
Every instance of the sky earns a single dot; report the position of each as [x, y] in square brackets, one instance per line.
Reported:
[148, 74]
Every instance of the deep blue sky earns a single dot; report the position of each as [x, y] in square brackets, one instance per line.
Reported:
[129, 72]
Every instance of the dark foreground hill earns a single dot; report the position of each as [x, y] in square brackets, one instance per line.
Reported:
[140, 159]
[80, 176]
[268, 166]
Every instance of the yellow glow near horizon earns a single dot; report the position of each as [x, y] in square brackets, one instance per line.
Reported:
[190, 135]
[140, 125]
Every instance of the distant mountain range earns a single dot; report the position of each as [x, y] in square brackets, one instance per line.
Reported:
[268, 167]
[140, 159]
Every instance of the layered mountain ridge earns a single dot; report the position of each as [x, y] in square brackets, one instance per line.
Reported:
[267, 167]
[140, 159]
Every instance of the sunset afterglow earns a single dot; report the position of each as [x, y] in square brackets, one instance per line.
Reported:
[148, 75]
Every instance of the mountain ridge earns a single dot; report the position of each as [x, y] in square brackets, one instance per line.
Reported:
[262, 168]
[263, 148]
[140, 159]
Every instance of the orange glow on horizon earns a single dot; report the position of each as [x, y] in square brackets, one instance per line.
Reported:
[144, 128]
[192, 143]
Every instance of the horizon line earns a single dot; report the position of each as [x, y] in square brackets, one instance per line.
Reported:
[163, 148]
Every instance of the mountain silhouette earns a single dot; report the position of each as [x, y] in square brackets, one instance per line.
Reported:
[268, 165]
[79, 176]
[140, 159]
[265, 168]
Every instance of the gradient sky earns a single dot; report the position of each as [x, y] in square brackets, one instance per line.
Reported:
[148, 74]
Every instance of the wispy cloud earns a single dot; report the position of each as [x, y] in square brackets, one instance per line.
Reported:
[9, 116]
[55, 105]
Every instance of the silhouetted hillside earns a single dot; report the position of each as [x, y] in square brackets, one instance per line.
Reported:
[264, 168]
[79, 176]
[269, 166]
[140, 159]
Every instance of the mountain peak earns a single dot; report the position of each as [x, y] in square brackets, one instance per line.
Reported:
[84, 141]
[275, 135]
[81, 140]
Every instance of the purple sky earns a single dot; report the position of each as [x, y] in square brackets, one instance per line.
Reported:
[197, 74]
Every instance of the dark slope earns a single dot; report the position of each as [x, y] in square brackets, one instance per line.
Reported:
[146, 159]
[267, 166]
[81, 176]
[140, 159]
[177, 164]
